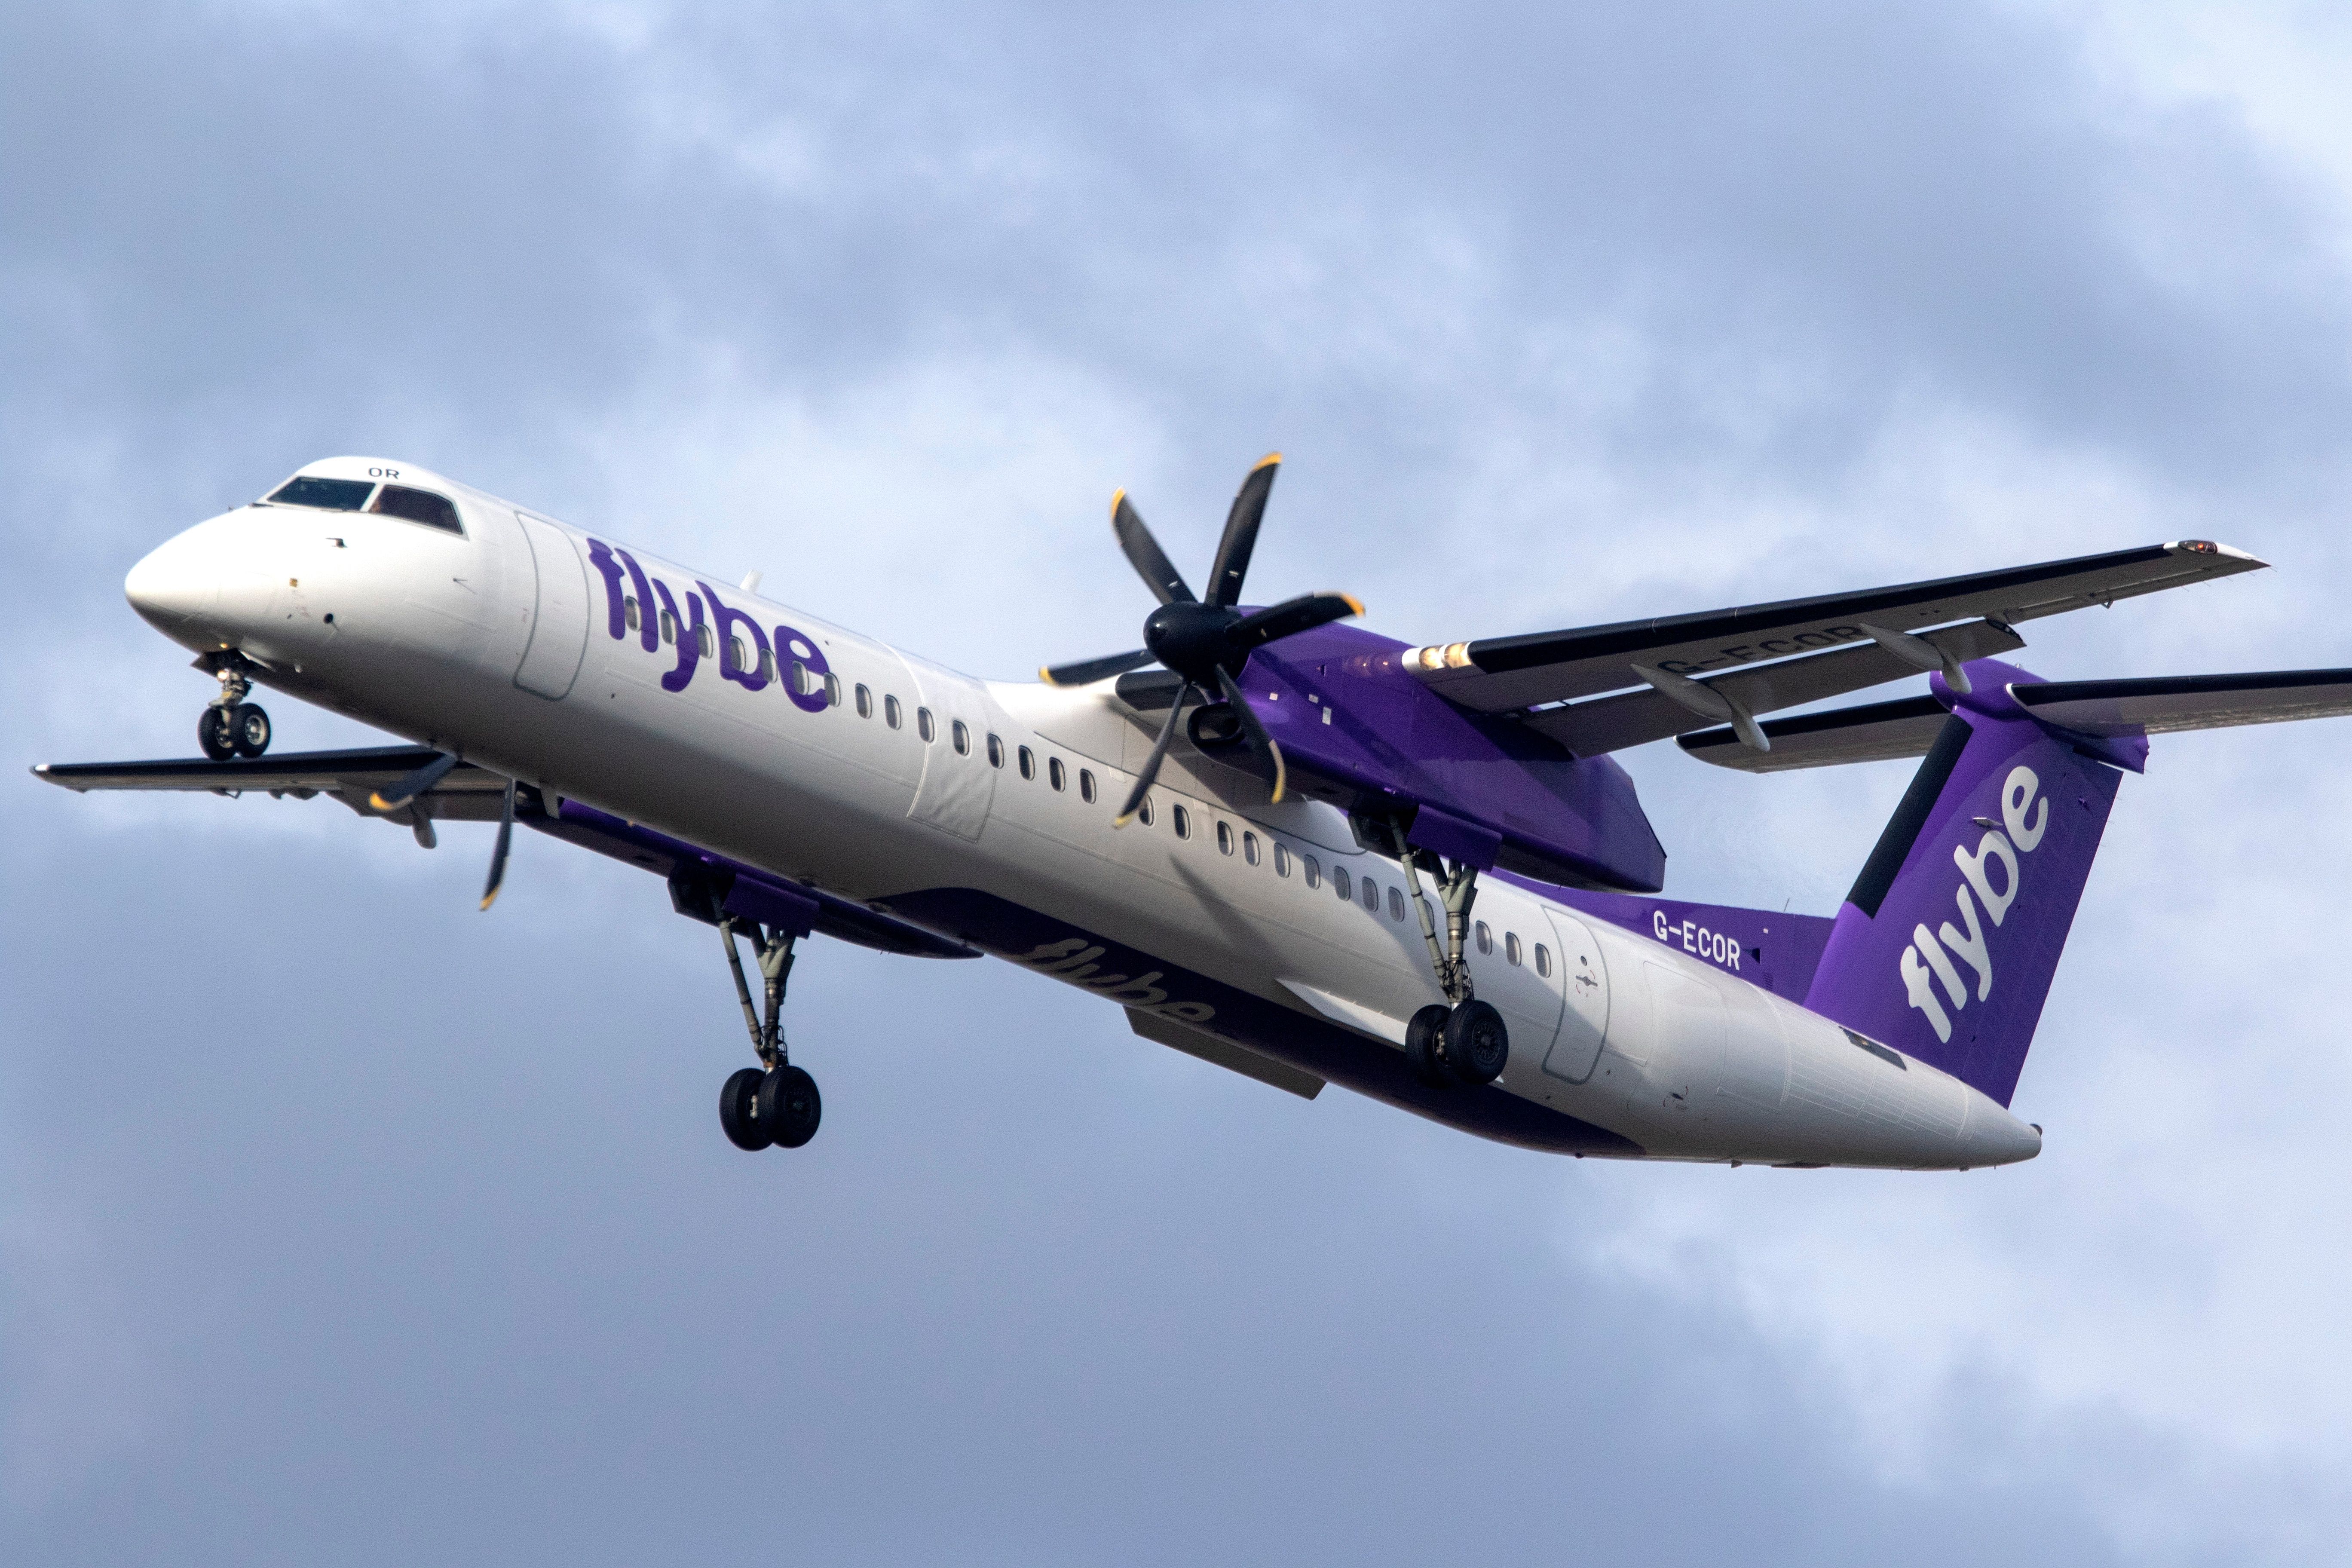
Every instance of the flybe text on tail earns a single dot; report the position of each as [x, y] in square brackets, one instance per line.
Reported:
[2025, 815]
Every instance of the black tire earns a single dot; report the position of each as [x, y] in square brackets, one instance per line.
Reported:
[1477, 1045]
[737, 1112]
[249, 729]
[789, 1107]
[216, 734]
[1424, 1044]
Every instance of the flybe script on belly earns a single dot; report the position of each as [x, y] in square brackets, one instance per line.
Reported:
[1991, 881]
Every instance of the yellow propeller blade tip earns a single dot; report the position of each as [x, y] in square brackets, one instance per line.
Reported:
[1045, 675]
[1354, 603]
[1122, 821]
[491, 899]
[376, 800]
[1281, 773]
[1269, 460]
[1116, 496]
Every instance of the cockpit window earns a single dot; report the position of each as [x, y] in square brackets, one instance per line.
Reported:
[328, 495]
[418, 506]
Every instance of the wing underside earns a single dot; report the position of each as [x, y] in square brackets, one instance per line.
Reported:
[2103, 709]
[467, 792]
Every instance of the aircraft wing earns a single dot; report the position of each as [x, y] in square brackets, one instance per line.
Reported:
[2157, 705]
[465, 793]
[1765, 656]
[470, 793]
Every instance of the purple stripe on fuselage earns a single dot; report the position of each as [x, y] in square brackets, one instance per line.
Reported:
[1371, 1068]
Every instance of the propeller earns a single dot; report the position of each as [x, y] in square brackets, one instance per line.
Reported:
[498, 853]
[1207, 641]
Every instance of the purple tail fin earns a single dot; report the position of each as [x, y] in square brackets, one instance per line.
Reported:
[1947, 944]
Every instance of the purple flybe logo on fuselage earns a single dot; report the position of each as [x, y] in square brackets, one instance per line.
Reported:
[704, 626]
[1981, 905]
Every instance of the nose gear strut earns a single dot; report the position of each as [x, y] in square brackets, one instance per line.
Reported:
[1462, 1042]
[229, 726]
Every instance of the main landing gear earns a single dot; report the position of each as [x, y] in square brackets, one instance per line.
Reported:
[230, 726]
[1460, 1042]
[773, 1103]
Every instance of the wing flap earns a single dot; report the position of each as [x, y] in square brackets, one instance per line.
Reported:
[1500, 674]
[2167, 704]
[1873, 732]
[1635, 717]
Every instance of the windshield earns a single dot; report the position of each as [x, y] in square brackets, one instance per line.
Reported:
[418, 506]
[328, 495]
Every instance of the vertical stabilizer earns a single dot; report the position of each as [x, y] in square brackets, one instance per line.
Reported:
[1946, 947]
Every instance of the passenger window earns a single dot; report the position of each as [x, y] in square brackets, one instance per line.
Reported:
[1143, 811]
[831, 690]
[1543, 960]
[1511, 946]
[1281, 861]
[1371, 896]
[924, 726]
[1396, 905]
[799, 679]
[1224, 838]
[1055, 775]
[1183, 822]
[995, 752]
[1313, 870]
[705, 640]
[668, 627]
[1028, 764]
[1249, 847]
[1340, 884]
[1485, 938]
[961, 738]
[327, 495]
[629, 610]
[1087, 785]
[892, 714]
[735, 651]
[418, 506]
[865, 702]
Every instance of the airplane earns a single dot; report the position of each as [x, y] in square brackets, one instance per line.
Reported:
[1282, 844]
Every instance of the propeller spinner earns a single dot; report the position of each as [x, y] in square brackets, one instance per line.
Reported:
[1207, 641]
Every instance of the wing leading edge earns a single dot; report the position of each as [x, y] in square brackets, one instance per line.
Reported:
[1733, 664]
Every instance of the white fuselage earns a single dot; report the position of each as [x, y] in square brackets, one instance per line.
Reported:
[441, 637]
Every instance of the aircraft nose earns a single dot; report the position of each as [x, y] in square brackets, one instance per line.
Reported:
[174, 584]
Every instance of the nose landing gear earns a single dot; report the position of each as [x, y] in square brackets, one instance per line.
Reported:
[230, 726]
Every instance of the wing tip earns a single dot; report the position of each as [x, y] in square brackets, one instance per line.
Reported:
[2213, 548]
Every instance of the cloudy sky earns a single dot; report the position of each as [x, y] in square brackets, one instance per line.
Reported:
[340, 1222]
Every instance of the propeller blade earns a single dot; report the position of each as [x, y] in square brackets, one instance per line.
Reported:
[1240, 533]
[498, 854]
[1259, 741]
[1291, 617]
[1144, 553]
[1143, 781]
[410, 785]
[1087, 670]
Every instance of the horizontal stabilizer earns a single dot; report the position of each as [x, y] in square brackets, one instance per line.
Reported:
[1874, 733]
[2167, 703]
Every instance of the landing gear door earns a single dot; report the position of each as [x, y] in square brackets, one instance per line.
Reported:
[1583, 975]
[559, 625]
[957, 786]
